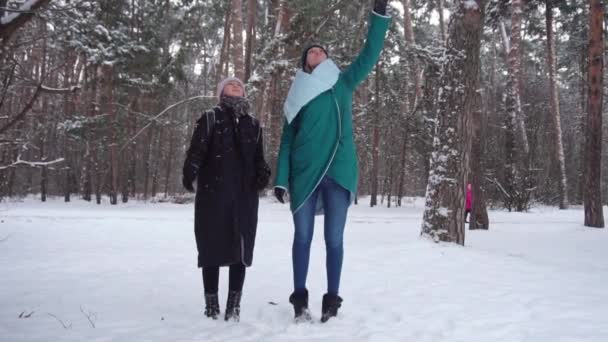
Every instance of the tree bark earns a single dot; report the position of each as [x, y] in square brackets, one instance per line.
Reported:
[107, 101]
[443, 218]
[219, 70]
[375, 142]
[441, 21]
[558, 147]
[479, 213]
[237, 42]
[594, 216]
[415, 75]
[512, 47]
[250, 46]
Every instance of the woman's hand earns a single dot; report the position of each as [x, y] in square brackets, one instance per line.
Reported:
[380, 7]
[279, 193]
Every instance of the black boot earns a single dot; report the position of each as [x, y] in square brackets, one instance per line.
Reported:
[300, 306]
[212, 305]
[331, 304]
[233, 306]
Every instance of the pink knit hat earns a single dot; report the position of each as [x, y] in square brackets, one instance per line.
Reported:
[220, 87]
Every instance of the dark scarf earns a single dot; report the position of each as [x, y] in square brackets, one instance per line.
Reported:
[237, 105]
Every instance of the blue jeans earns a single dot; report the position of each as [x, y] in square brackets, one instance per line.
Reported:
[336, 200]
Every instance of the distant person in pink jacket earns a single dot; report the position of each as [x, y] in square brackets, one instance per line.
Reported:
[469, 203]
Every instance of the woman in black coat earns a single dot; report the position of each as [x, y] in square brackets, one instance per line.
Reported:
[226, 158]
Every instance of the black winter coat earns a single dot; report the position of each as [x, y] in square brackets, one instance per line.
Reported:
[227, 159]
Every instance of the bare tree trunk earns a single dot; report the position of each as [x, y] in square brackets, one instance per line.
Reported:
[106, 77]
[67, 109]
[390, 183]
[130, 184]
[43, 170]
[514, 67]
[445, 196]
[479, 213]
[147, 157]
[594, 216]
[415, 75]
[219, 70]
[441, 20]
[251, 24]
[401, 170]
[237, 42]
[169, 160]
[558, 146]
[375, 142]
[584, 97]
[159, 137]
[87, 180]
[516, 159]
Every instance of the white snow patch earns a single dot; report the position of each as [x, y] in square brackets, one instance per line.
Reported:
[537, 277]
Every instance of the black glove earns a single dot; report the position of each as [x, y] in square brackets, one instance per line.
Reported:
[187, 183]
[279, 193]
[380, 7]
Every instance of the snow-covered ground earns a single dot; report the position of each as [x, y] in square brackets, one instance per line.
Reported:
[128, 273]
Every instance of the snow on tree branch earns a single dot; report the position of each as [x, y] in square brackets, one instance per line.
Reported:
[17, 8]
[51, 90]
[20, 162]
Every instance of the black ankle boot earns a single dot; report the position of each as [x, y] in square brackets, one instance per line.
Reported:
[212, 305]
[233, 306]
[300, 306]
[331, 304]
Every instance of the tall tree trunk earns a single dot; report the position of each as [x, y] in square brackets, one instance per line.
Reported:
[219, 70]
[558, 152]
[441, 20]
[251, 24]
[594, 217]
[443, 218]
[107, 101]
[584, 70]
[43, 170]
[375, 142]
[237, 42]
[156, 160]
[514, 58]
[512, 48]
[89, 106]
[479, 213]
[415, 75]
[402, 160]
[67, 110]
[517, 148]
[147, 159]
[130, 184]
[169, 160]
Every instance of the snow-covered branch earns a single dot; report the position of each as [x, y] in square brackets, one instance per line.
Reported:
[50, 90]
[153, 119]
[22, 7]
[19, 13]
[20, 162]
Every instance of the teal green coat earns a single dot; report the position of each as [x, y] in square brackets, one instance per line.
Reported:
[319, 141]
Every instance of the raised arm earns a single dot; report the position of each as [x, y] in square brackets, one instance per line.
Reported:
[368, 57]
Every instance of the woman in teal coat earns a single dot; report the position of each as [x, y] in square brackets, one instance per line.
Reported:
[317, 160]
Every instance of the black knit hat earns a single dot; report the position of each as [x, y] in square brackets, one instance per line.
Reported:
[305, 54]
